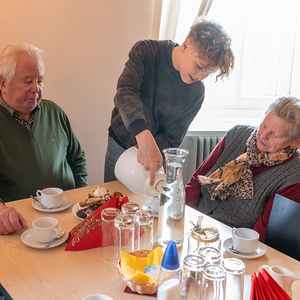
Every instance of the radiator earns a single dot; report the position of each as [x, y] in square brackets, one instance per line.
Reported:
[199, 148]
[205, 145]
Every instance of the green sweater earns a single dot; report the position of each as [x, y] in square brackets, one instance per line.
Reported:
[48, 155]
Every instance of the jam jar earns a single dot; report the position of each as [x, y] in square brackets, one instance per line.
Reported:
[203, 236]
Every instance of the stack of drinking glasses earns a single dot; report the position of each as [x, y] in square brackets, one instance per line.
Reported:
[204, 276]
[129, 229]
[208, 281]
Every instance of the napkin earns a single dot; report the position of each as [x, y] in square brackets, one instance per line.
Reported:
[265, 287]
[133, 267]
[87, 234]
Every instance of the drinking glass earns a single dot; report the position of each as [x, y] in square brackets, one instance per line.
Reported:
[108, 216]
[143, 226]
[191, 277]
[235, 278]
[129, 208]
[213, 283]
[212, 255]
[124, 234]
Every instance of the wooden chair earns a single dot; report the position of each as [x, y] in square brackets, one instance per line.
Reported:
[283, 232]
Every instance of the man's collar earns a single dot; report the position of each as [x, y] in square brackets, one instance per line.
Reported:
[17, 116]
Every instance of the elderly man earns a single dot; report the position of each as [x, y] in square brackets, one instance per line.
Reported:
[237, 183]
[38, 148]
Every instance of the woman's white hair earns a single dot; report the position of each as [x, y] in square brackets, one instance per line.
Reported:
[288, 109]
[8, 59]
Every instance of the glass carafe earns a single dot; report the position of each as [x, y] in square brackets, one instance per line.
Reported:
[172, 199]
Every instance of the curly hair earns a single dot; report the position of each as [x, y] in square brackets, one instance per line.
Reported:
[211, 40]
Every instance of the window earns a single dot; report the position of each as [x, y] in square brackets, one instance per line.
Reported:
[266, 39]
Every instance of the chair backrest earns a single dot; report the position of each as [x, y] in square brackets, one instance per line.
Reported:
[283, 232]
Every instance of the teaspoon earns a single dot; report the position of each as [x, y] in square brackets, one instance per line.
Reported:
[57, 238]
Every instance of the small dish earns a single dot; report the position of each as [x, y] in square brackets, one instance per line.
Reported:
[147, 206]
[66, 204]
[28, 240]
[260, 251]
[75, 209]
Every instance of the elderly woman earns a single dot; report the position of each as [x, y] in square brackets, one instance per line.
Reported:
[237, 183]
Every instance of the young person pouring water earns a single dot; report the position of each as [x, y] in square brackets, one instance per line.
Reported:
[160, 91]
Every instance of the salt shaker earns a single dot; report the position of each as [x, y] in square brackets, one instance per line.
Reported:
[235, 278]
[213, 283]
[169, 275]
[191, 277]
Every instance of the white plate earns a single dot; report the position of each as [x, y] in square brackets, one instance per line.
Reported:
[75, 209]
[260, 251]
[28, 240]
[147, 206]
[66, 203]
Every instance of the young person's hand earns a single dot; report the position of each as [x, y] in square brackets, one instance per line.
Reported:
[10, 220]
[148, 153]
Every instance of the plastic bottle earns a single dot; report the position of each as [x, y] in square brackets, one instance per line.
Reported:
[170, 274]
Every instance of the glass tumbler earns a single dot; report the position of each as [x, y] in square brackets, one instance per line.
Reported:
[213, 283]
[124, 234]
[191, 277]
[211, 255]
[108, 216]
[129, 208]
[143, 227]
[235, 278]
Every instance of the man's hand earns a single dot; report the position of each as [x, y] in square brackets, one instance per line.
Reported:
[148, 153]
[10, 220]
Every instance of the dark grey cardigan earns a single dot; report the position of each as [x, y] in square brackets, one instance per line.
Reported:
[245, 213]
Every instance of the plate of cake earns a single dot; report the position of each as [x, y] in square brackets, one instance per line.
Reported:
[95, 198]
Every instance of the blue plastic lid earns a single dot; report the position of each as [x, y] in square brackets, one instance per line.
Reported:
[170, 260]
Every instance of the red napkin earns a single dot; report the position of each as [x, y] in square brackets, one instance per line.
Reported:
[264, 286]
[87, 234]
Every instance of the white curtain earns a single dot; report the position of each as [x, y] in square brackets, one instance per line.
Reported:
[177, 16]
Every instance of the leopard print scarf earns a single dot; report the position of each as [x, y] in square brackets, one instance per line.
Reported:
[235, 178]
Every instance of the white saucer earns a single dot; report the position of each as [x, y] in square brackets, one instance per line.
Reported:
[260, 251]
[147, 206]
[28, 240]
[66, 203]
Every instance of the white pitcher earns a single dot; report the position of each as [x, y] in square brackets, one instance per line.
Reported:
[283, 277]
[134, 176]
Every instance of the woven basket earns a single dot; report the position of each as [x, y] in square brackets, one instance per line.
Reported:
[136, 285]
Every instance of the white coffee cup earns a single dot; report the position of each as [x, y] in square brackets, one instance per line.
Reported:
[44, 230]
[134, 176]
[155, 205]
[97, 297]
[245, 240]
[51, 197]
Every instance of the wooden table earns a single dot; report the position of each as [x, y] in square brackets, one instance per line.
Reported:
[29, 273]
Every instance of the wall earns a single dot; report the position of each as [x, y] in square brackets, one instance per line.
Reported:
[85, 46]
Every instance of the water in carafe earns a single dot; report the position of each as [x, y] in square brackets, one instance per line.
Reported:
[172, 199]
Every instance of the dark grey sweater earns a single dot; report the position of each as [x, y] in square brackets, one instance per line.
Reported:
[245, 213]
[151, 95]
